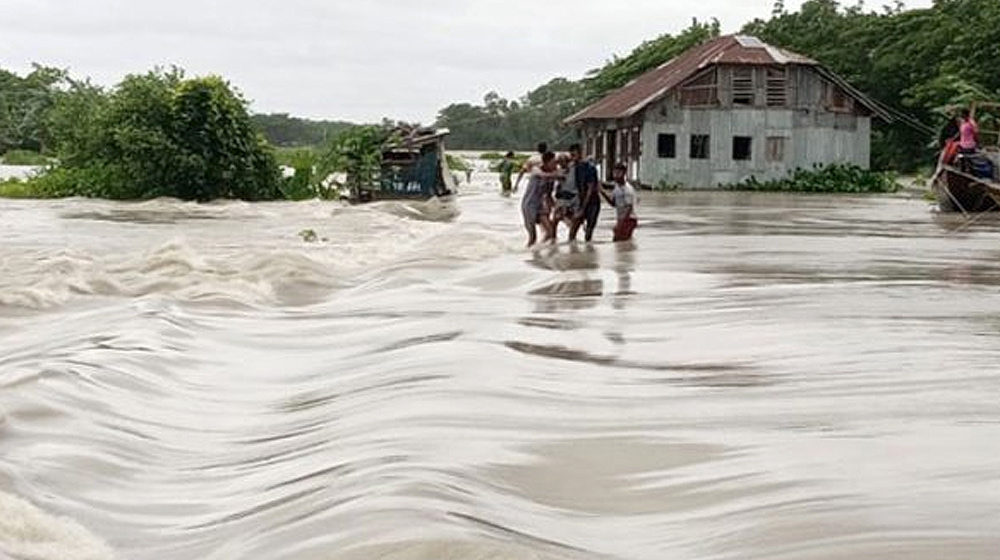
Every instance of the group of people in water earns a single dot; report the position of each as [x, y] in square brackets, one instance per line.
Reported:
[566, 189]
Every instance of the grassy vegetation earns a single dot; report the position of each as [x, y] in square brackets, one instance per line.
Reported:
[290, 157]
[15, 188]
[825, 179]
[24, 157]
[456, 163]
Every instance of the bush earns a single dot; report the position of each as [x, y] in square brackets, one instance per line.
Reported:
[309, 178]
[456, 163]
[835, 178]
[159, 134]
[24, 157]
[357, 152]
[15, 188]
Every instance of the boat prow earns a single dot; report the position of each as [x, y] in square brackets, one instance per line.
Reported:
[959, 191]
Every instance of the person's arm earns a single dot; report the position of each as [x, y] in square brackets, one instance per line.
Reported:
[607, 197]
[591, 189]
[525, 169]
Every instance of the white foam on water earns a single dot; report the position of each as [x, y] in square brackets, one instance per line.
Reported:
[249, 254]
[28, 533]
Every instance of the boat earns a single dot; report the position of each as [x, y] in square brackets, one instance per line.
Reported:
[958, 190]
[970, 183]
[414, 167]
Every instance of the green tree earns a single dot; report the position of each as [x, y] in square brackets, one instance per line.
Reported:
[357, 152]
[619, 71]
[24, 104]
[159, 134]
[284, 130]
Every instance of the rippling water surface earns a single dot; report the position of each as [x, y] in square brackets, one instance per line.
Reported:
[756, 376]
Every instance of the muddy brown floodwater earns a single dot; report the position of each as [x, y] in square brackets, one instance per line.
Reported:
[756, 376]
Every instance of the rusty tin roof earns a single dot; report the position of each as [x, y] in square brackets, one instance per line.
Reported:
[635, 96]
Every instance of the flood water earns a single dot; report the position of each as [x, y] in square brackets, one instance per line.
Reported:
[756, 376]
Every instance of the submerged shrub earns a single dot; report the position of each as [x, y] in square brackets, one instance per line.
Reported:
[836, 178]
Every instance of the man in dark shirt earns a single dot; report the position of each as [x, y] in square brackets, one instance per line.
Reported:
[588, 187]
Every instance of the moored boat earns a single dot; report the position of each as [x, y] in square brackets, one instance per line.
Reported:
[970, 182]
[959, 191]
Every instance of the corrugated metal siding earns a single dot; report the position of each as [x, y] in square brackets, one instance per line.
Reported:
[806, 144]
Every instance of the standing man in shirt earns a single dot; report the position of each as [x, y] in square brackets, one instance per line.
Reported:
[623, 198]
[588, 190]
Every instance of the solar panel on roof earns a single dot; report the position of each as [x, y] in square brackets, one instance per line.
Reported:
[750, 42]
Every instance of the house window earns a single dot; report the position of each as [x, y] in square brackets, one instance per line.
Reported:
[777, 87]
[776, 149]
[742, 148]
[636, 143]
[743, 89]
[700, 146]
[590, 147]
[666, 146]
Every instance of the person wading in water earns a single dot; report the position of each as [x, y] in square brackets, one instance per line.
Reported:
[536, 205]
[588, 192]
[506, 169]
[623, 198]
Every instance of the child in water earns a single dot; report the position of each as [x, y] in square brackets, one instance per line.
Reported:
[623, 198]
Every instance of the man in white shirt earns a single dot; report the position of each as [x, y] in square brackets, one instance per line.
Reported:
[623, 198]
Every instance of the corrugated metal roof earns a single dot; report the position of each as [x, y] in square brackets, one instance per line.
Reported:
[653, 85]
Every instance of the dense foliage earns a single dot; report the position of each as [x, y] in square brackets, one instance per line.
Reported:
[916, 61]
[913, 61]
[24, 104]
[24, 157]
[157, 134]
[538, 116]
[826, 179]
[283, 130]
[499, 123]
[354, 155]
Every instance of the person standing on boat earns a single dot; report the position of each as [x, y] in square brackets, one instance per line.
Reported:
[506, 169]
[536, 205]
[623, 199]
[968, 134]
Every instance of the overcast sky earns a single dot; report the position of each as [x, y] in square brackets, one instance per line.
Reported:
[351, 59]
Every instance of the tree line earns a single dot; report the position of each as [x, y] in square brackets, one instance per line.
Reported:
[916, 62]
[164, 134]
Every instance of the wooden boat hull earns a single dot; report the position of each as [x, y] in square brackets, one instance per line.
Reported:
[960, 192]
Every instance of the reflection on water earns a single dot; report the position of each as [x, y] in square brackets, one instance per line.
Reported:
[755, 376]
